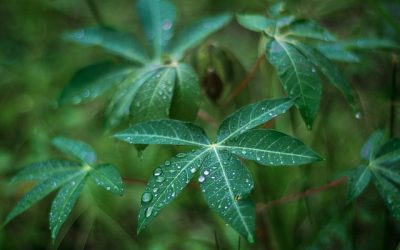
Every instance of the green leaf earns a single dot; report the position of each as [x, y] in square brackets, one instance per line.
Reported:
[269, 147]
[226, 184]
[310, 29]
[39, 192]
[74, 148]
[153, 97]
[368, 150]
[390, 194]
[390, 172]
[166, 183]
[64, 202]
[331, 72]
[117, 42]
[337, 52]
[167, 132]
[186, 97]
[388, 153]
[195, 33]
[251, 116]
[45, 170]
[358, 180]
[93, 81]
[256, 23]
[158, 19]
[299, 77]
[371, 43]
[107, 177]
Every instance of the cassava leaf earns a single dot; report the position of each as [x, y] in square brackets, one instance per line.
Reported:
[256, 23]
[269, 147]
[368, 150]
[298, 76]
[251, 116]
[226, 184]
[43, 170]
[167, 132]
[64, 202]
[107, 177]
[116, 42]
[158, 19]
[195, 33]
[74, 148]
[337, 52]
[370, 43]
[167, 181]
[390, 194]
[388, 153]
[357, 182]
[309, 29]
[391, 173]
[93, 81]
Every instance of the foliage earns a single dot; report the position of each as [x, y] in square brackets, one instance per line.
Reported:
[68, 176]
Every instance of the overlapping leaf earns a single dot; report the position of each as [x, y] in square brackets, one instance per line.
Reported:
[154, 86]
[69, 176]
[224, 180]
[383, 169]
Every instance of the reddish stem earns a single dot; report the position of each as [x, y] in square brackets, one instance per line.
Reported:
[205, 117]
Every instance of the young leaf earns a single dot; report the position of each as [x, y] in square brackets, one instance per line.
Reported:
[117, 42]
[195, 33]
[77, 149]
[226, 183]
[167, 181]
[255, 23]
[299, 77]
[368, 150]
[64, 202]
[310, 29]
[43, 170]
[272, 148]
[107, 177]
[167, 132]
[251, 116]
[93, 81]
[358, 181]
[158, 19]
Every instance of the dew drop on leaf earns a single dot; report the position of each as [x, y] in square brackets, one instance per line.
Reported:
[157, 172]
[201, 178]
[181, 155]
[206, 172]
[160, 179]
[147, 197]
[193, 170]
[148, 211]
[358, 115]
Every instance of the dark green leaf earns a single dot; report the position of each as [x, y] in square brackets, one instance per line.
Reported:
[310, 29]
[357, 182]
[117, 42]
[107, 177]
[368, 150]
[74, 148]
[390, 194]
[388, 153]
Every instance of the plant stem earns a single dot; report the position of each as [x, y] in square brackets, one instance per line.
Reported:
[207, 118]
[243, 84]
[293, 197]
[95, 12]
[393, 97]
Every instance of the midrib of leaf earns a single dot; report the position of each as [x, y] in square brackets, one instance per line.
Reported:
[232, 196]
[295, 70]
[266, 151]
[169, 138]
[233, 134]
[173, 181]
[393, 174]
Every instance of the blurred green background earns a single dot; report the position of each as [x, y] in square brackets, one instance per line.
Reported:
[35, 64]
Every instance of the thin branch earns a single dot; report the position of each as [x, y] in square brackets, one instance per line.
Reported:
[243, 84]
[292, 197]
[207, 118]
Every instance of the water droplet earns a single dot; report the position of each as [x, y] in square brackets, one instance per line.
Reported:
[201, 178]
[244, 152]
[206, 172]
[157, 172]
[193, 170]
[108, 188]
[181, 155]
[167, 163]
[160, 179]
[358, 115]
[147, 197]
[148, 211]
[313, 70]
[155, 190]
[258, 158]
[166, 25]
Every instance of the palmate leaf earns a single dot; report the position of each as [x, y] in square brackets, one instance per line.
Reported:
[369, 148]
[357, 182]
[255, 23]
[388, 153]
[311, 30]
[69, 176]
[226, 183]
[299, 77]
[337, 52]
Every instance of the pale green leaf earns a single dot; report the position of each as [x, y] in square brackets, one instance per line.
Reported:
[269, 147]
[46, 169]
[158, 19]
[107, 177]
[309, 29]
[368, 150]
[167, 132]
[331, 72]
[390, 194]
[117, 42]
[256, 23]
[371, 43]
[153, 97]
[226, 184]
[186, 97]
[251, 116]
[39, 192]
[64, 202]
[197, 32]
[166, 183]
[358, 180]
[298, 76]
[74, 148]
[93, 81]
[337, 52]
